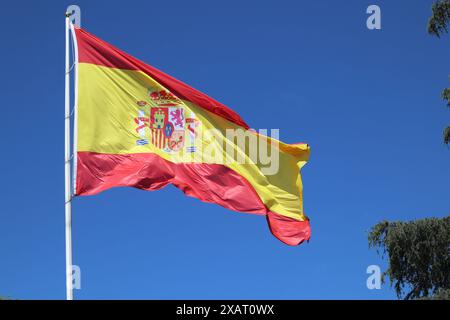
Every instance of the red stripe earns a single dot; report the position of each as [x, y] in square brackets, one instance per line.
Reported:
[213, 183]
[93, 50]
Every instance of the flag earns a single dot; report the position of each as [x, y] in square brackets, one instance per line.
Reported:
[139, 127]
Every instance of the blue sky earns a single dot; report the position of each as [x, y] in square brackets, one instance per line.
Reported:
[368, 103]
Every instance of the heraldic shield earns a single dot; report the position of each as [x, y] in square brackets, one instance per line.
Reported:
[168, 122]
[167, 127]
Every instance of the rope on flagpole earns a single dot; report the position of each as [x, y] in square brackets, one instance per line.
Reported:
[68, 15]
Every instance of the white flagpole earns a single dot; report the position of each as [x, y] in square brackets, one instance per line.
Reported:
[68, 195]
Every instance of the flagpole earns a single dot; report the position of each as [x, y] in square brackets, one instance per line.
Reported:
[67, 158]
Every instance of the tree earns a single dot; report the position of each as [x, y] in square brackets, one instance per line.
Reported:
[419, 256]
[419, 251]
[437, 25]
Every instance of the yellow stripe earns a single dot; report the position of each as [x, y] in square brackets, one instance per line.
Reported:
[107, 107]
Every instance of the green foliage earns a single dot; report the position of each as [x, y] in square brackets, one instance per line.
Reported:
[446, 96]
[419, 256]
[440, 294]
[447, 135]
[437, 24]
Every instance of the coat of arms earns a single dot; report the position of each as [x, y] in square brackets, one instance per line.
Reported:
[167, 122]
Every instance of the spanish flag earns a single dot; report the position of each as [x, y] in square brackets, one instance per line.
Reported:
[139, 127]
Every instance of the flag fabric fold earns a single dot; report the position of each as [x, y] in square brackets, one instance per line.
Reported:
[139, 127]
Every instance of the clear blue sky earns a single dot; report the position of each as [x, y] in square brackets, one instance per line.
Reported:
[368, 103]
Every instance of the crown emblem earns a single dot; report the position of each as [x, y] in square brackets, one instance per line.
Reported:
[164, 98]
